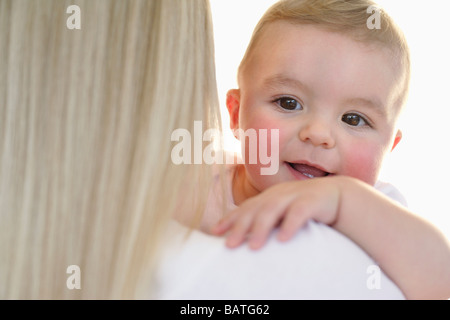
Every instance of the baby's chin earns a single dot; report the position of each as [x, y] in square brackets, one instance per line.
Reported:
[370, 179]
[263, 182]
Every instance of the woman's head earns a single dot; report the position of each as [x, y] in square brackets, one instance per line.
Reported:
[86, 118]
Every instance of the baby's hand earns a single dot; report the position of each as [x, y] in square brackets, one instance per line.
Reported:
[289, 204]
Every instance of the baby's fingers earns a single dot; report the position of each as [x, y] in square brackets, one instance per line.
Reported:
[263, 225]
[295, 219]
[225, 223]
[239, 230]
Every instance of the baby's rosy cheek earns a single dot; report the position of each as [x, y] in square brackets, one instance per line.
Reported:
[363, 165]
[270, 135]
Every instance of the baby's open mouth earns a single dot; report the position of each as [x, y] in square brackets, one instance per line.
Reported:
[308, 171]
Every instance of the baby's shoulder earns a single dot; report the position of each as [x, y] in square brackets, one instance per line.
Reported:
[391, 191]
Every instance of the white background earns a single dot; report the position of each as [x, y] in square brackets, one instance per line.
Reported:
[420, 164]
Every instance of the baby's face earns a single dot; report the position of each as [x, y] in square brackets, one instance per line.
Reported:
[331, 98]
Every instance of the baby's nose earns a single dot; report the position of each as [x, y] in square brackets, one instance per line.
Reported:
[318, 133]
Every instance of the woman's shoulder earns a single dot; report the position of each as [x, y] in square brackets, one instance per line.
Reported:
[318, 263]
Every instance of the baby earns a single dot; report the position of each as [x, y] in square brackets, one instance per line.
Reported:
[334, 89]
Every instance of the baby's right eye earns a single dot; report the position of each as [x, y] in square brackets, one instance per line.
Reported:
[288, 103]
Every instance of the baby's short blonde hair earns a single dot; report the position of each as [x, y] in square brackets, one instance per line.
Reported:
[348, 17]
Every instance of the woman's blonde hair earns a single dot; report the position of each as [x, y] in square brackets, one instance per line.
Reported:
[348, 17]
[86, 117]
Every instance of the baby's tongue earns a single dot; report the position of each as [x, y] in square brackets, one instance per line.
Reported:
[308, 171]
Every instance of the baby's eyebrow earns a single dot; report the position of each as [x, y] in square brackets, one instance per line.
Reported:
[372, 104]
[277, 81]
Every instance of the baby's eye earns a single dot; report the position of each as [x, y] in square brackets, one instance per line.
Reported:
[288, 103]
[354, 120]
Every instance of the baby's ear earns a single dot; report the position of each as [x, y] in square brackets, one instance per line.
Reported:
[397, 139]
[233, 105]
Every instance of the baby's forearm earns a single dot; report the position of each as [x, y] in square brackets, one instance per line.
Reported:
[412, 252]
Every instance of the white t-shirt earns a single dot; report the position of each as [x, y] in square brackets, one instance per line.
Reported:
[318, 263]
